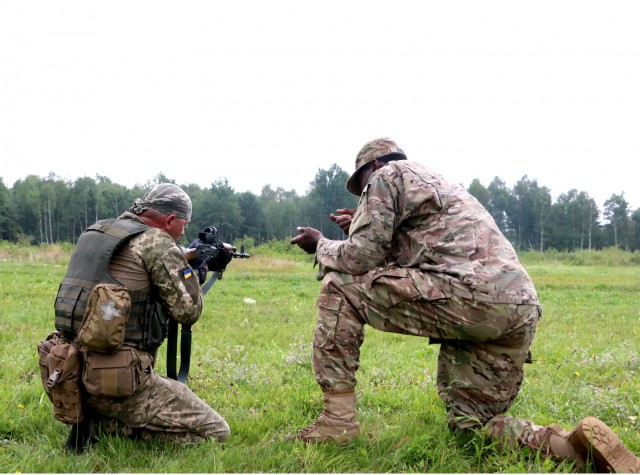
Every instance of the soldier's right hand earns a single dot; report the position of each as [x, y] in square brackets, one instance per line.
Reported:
[343, 218]
[219, 262]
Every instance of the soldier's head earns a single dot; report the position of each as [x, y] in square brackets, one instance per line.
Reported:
[165, 206]
[372, 156]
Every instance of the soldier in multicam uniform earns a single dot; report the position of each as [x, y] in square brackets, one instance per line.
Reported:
[147, 261]
[424, 258]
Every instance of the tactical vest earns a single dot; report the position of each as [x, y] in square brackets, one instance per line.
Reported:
[89, 265]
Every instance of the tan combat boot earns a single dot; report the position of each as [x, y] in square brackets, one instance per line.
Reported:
[337, 421]
[608, 452]
[563, 445]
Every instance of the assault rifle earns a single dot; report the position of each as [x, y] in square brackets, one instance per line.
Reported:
[208, 249]
[208, 245]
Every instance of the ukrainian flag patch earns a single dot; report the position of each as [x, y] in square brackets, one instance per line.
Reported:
[187, 273]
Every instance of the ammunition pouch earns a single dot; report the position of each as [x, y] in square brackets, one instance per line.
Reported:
[60, 370]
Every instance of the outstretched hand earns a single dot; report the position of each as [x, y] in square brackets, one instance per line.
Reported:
[343, 218]
[307, 239]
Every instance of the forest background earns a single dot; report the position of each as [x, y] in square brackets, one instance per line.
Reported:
[50, 210]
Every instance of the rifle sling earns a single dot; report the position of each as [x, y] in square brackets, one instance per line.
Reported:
[210, 282]
[185, 342]
[185, 351]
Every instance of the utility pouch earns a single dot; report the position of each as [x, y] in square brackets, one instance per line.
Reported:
[112, 375]
[105, 320]
[44, 348]
[60, 370]
[157, 325]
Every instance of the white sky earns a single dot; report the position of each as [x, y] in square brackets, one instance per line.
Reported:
[268, 92]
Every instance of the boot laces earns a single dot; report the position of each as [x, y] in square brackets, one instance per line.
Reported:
[310, 428]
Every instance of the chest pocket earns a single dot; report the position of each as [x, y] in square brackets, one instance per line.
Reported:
[362, 217]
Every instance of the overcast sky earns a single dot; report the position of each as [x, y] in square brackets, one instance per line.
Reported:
[268, 92]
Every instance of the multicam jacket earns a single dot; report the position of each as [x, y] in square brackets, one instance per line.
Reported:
[410, 216]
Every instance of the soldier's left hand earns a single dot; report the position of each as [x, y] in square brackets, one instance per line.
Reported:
[307, 239]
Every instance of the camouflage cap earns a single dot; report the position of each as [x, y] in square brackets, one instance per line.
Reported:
[377, 148]
[165, 198]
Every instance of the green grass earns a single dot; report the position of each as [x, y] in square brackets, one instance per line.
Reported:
[252, 363]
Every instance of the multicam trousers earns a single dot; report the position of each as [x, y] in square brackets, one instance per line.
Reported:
[512, 432]
[483, 346]
[162, 408]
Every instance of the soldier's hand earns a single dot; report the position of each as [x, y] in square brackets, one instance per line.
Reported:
[219, 262]
[307, 239]
[192, 254]
[343, 218]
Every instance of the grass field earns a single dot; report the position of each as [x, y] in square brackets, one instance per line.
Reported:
[252, 363]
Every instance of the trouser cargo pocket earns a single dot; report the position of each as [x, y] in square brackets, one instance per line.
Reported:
[325, 331]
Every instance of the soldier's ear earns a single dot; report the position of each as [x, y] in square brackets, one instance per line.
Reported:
[167, 220]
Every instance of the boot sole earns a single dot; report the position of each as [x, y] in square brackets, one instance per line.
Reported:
[323, 439]
[608, 451]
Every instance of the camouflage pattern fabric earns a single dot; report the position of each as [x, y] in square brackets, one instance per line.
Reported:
[513, 433]
[484, 346]
[410, 216]
[372, 150]
[165, 198]
[161, 408]
[155, 253]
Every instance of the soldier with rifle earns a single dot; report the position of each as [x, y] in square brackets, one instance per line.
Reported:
[126, 283]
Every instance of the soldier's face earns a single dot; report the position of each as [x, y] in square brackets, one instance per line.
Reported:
[176, 226]
[363, 176]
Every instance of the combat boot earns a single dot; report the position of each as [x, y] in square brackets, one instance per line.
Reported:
[82, 435]
[563, 445]
[607, 450]
[337, 423]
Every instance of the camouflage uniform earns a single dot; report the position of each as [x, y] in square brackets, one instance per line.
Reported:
[424, 258]
[161, 405]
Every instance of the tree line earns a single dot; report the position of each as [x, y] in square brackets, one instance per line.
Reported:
[51, 210]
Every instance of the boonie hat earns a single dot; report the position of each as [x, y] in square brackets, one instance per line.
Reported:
[377, 148]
